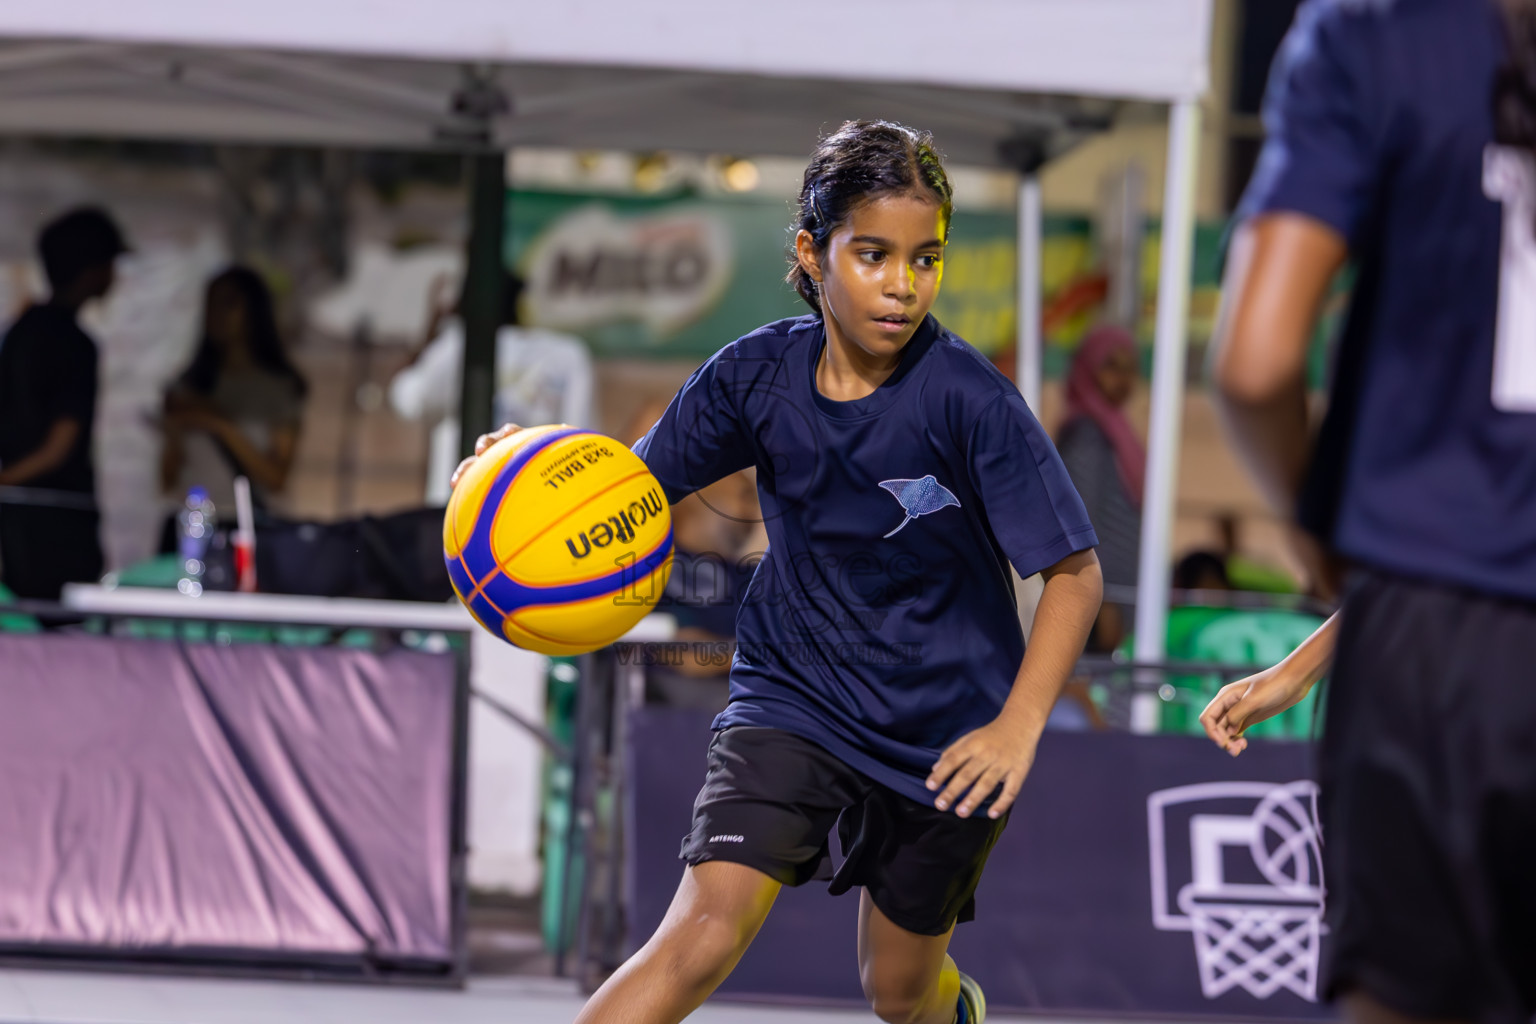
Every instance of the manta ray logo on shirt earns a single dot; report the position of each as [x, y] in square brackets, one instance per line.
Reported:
[919, 497]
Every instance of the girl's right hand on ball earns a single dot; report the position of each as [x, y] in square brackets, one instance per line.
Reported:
[481, 444]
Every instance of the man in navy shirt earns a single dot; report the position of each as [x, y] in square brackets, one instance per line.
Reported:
[1398, 143]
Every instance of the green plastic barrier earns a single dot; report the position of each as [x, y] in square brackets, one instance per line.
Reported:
[163, 572]
[11, 623]
[226, 633]
[1231, 636]
[1240, 637]
[563, 678]
[1245, 574]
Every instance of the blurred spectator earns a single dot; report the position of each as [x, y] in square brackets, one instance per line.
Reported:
[1246, 573]
[48, 412]
[1107, 461]
[541, 377]
[717, 537]
[1201, 570]
[237, 409]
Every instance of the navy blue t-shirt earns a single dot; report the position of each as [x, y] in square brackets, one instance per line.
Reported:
[1380, 125]
[705, 590]
[881, 622]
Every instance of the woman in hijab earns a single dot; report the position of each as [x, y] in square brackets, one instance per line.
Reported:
[1107, 460]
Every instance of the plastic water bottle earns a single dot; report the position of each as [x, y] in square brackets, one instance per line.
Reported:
[195, 523]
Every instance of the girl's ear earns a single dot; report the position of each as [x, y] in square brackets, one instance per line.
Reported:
[808, 255]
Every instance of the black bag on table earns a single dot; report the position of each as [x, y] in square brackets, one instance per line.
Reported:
[397, 557]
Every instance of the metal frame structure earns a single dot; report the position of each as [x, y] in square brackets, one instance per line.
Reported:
[479, 76]
[299, 965]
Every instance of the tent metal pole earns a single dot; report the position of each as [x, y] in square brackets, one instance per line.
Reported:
[484, 281]
[1029, 353]
[1169, 357]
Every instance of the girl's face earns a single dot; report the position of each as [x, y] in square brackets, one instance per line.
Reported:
[224, 317]
[880, 271]
[1117, 376]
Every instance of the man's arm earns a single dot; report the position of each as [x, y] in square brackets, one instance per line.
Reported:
[50, 455]
[1279, 268]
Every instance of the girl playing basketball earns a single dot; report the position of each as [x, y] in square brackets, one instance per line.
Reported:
[881, 682]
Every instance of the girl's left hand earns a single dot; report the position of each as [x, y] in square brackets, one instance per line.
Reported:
[977, 763]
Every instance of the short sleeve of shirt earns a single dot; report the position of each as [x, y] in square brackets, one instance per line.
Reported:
[700, 438]
[1320, 151]
[70, 368]
[1030, 503]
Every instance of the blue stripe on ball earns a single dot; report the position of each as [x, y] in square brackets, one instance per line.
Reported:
[510, 594]
[490, 616]
[460, 577]
[477, 554]
[479, 604]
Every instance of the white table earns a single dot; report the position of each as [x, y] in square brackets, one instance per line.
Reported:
[504, 761]
[109, 600]
[293, 610]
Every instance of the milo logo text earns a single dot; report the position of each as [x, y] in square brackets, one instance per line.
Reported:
[619, 526]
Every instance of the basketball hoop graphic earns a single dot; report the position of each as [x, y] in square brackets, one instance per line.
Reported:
[1253, 892]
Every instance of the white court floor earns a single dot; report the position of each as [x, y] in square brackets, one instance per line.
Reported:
[60, 997]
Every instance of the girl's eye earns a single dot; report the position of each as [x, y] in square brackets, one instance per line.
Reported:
[928, 261]
[871, 255]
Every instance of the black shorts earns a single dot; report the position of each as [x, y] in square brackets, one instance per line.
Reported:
[770, 799]
[1428, 795]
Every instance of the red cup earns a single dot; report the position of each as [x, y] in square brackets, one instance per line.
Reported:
[245, 564]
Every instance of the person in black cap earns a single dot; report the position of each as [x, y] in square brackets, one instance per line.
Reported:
[47, 411]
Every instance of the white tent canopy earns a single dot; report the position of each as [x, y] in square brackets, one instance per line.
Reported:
[993, 79]
[245, 95]
[689, 74]
[1140, 49]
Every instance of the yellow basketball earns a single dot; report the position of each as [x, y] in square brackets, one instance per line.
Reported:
[558, 539]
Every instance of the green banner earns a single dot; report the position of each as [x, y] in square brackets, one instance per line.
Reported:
[679, 276]
[674, 277]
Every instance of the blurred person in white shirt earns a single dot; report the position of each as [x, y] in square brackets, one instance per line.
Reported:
[542, 376]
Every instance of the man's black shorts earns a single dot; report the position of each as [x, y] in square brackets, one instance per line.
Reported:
[770, 799]
[1428, 788]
